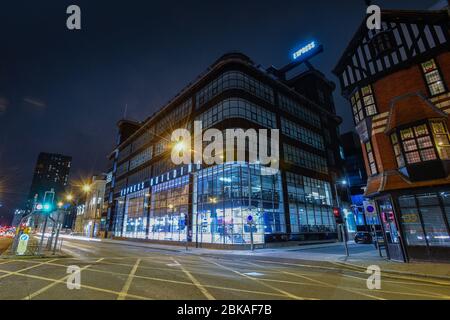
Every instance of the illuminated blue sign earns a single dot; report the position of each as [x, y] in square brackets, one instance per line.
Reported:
[307, 51]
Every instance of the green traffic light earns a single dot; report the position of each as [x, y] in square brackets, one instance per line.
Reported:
[47, 207]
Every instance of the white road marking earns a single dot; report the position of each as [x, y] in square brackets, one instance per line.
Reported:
[254, 274]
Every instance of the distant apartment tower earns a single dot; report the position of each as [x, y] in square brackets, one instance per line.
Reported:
[397, 80]
[51, 172]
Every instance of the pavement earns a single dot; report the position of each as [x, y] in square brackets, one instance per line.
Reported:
[360, 256]
[129, 270]
[4, 244]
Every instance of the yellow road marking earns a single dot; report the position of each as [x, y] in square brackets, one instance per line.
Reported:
[58, 281]
[127, 284]
[395, 276]
[330, 286]
[287, 294]
[11, 273]
[200, 287]
[42, 290]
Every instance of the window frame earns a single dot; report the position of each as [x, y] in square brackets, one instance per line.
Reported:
[415, 137]
[371, 163]
[359, 107]
[425, 73]
[387, 37]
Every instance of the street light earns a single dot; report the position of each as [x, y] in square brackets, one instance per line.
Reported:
[342, 226]
[69, 197]
[86, 188]
[180, 146]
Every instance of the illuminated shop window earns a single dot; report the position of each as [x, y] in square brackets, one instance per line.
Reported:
[310, 204]
[433, 77]
[363, 104]
[371, 158]
[423, 219]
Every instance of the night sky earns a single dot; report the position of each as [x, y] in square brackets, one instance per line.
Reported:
[63, 91]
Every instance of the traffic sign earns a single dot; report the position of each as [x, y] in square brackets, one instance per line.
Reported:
[250, 219]
[370, 209]
[24, 237]
[23, 244]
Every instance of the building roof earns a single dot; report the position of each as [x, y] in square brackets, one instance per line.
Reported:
[232, 57]
[397, 16]
[401, 111]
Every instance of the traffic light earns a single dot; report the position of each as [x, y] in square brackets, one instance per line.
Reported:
[45, 207]
[338, 216]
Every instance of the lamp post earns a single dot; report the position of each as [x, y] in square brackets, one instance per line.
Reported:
[342, 227]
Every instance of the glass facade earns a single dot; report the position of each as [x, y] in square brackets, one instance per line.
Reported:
[237, 108]
[135, 217]
[299, 111]
[310, 204]
[305, 159]
[169, 210]
[424, 218]
[234, 80]
[155, 199]
[222, 195]
[297, 132]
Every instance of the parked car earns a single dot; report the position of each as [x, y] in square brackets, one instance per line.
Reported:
[363, 237]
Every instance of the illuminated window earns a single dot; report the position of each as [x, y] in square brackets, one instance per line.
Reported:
[417, 144]
[398, 151]
[442, 140]
[371, 159]
[433, 77]
[363, 104]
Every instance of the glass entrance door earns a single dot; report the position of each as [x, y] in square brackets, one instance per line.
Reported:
[390, 228]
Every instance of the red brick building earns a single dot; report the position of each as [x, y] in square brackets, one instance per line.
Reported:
[397, 80]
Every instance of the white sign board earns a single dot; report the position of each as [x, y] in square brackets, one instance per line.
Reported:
[23, 243]
[370, 210]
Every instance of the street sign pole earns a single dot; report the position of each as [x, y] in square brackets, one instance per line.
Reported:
[344, 236]
[43, 234]
[250, 223]
[251, 237]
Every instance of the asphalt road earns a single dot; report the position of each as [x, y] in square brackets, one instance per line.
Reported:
[116, 271]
